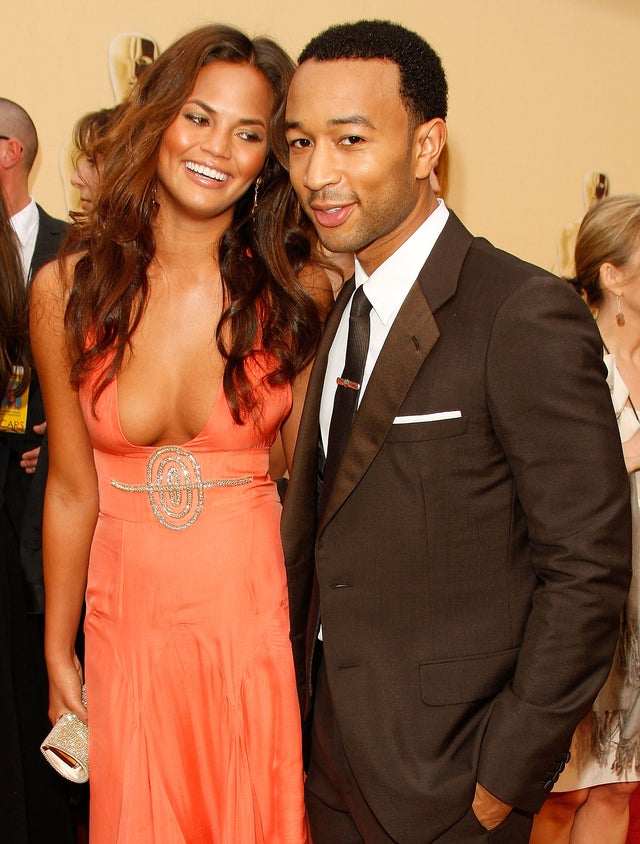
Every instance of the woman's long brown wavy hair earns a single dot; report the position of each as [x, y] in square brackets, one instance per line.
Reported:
[14, 332]
[259, 255]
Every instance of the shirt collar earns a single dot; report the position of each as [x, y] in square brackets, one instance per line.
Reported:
[25, 222]
[388, 285]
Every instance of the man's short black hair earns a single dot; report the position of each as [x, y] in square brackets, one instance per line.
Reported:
[423, 85]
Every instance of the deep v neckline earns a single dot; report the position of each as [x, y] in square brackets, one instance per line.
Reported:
[131, 444]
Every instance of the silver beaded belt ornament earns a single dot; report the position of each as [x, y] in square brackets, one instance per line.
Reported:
[175, 487]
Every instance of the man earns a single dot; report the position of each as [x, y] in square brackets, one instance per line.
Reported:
[39, 237]
[35, 805]
[471, 542]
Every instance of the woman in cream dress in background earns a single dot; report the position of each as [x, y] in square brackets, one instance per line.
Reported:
[590, 802]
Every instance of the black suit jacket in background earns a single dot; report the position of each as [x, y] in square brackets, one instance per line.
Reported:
[25, 493]
[50, 235]
[36, 808]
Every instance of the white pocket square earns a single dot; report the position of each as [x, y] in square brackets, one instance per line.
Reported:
[427, 417]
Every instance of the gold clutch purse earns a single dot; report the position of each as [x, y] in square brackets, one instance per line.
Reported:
[66, 747]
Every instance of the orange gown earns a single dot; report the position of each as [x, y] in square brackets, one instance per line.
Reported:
[193, 713]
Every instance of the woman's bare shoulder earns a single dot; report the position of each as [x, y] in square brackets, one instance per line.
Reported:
[53, 281]
[49, 294]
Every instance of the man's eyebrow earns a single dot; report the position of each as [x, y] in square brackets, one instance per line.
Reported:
[346, 120]
[352, 120]
[252, 121]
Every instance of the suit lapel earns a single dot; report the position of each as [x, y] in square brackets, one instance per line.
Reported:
[42, 248]
[303, 476]
[412, 336]
[311, 415]
[316, 381]
[48, 239]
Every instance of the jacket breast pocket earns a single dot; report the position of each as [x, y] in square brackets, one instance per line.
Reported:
[422, 431]
[462, 680]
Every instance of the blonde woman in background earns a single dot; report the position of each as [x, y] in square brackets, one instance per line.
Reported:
[590, 802]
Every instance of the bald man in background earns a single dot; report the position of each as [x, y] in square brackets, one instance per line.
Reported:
[38, 233]
[34, 802]
[39, 237]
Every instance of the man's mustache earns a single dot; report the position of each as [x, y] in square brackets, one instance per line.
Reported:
[329, 197]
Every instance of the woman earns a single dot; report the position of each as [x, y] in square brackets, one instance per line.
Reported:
[590, 802]
[87, 132]
[173, 352]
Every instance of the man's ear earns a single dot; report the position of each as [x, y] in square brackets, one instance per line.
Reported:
[10, 153]
[429, 140]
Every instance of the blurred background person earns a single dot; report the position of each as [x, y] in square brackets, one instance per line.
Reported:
[39, 235]
[181, 353]
[590, 802]
[33, 800]
[87, 132]
[38, 239]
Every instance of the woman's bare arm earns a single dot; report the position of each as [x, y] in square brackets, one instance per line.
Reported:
[71, 498]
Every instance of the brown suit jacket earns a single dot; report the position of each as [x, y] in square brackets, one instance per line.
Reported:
[471, 570]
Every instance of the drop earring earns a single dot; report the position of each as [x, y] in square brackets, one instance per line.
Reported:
[255, 195]
[619, 316]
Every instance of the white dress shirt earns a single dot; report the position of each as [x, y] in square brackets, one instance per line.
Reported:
[386, 288]
[25, 224]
